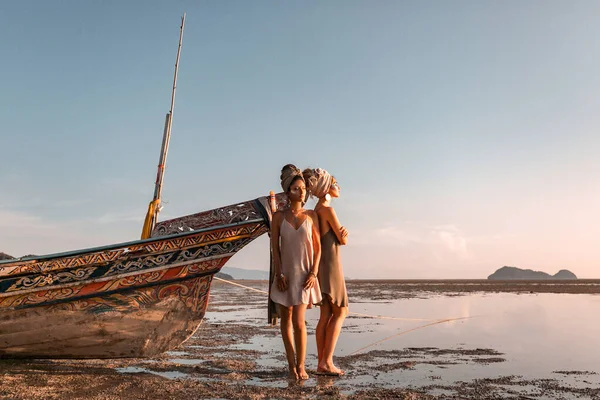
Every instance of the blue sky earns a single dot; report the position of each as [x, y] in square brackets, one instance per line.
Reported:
[463, 133]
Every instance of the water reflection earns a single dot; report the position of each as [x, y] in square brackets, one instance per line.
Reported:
[537, 334]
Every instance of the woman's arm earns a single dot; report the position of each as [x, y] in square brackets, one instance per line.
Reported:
[275, 225]
[340, 232]
[316, 236]
[316, 242]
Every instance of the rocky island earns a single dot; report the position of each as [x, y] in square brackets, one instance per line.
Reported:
[508, 273]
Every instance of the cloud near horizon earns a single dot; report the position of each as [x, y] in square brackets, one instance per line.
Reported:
[446, 239]
[22, 233]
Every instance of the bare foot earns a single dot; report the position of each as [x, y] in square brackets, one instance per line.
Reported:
[293, 374]
[325, 369]
[302, 375]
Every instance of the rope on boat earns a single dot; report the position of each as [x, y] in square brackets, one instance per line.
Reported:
[384, 317]
[352, 313]
[441, 321]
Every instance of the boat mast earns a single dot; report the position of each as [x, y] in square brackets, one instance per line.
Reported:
[154, 207]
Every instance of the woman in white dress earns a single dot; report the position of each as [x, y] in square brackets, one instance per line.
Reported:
[296, 245]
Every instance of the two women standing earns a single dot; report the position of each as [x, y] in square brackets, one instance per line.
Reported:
[307, 268]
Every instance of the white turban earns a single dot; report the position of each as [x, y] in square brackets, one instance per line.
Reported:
[320, 182]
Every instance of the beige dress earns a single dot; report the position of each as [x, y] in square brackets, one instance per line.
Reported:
[331, 275]
[296, 263]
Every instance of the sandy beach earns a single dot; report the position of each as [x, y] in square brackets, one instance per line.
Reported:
[235, 354]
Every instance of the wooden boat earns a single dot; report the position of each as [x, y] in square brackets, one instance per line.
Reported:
[134, 299]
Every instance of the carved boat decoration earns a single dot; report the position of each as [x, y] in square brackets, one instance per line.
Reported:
[134, 299]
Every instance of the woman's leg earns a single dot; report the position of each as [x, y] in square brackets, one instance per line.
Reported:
[324, 318]
[299, 323]
[332, 334]
[287, 335]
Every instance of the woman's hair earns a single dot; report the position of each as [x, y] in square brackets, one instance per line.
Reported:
[289, 174]
[310, 179]
[318, 181]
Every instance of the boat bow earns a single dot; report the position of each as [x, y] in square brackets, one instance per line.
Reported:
[131, 299]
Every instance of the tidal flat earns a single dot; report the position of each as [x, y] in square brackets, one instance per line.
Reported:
[471, 339]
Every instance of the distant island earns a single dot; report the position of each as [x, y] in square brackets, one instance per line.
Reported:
[508, 273]
[4, 256]
[225, 276]
[247, 274]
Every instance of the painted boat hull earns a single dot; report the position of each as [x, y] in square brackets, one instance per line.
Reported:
[135, 299]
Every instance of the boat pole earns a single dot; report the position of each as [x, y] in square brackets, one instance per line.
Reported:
[154, 207]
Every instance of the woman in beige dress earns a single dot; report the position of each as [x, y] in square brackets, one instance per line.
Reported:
[334, 307]
[295, 241]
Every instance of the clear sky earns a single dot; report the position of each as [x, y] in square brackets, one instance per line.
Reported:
[464, 134]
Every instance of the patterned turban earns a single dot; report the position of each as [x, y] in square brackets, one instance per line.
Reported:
[320, 182]
[288, 173]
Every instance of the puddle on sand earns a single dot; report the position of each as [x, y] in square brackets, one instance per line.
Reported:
[164, 374]
[186, 361]
[177, 353]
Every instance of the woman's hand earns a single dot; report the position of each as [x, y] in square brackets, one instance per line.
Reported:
[310, 281]
[344, 231]
[282, 283]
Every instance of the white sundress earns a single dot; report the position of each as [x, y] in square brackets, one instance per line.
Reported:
[296, 247]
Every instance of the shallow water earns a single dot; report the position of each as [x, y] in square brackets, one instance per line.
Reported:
[447, 343]
[537, 333]
[537, 336]
[137, 370]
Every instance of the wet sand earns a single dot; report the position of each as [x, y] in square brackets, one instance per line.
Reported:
[226, 358]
